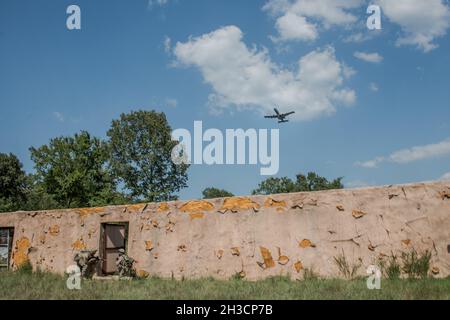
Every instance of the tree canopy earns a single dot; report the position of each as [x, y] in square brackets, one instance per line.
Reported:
[12, 182]
[212, 193]
[141, 148]
[311, 182]
[73, 170]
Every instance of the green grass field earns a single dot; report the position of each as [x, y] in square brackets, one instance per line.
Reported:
[48, 286]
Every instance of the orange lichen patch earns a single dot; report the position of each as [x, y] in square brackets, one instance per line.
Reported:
[20, 255]
[267, 256]
[298, 266]
[197, 206]
[235, 251]
[271, 203]
[79, 245]
[444, 195]
[182, 248]
[406, 242]
[306, 243]
[357, 214]
[238, 203]
[197, 215]
[340, 207]
[219, 254]
[54, 230]
[154, 223]
[301, 202]
[282, 259]
[136, 207]
[149, 245]
[435, 270]
[169, 226]
[142, 274]
[83, 213]
[163, 207]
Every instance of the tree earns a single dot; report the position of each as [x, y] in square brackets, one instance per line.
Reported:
[12, 182]
[141, 148]
[212, 193]
[73, 171]
[314, 182]
[310, 182]
[275, 186]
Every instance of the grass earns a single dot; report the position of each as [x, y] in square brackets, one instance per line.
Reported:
[22, 285]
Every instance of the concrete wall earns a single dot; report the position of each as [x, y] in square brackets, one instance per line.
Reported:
[257, 236]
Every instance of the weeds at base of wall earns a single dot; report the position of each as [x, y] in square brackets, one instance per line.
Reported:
[310, 274]
[416, 265]
[348, 270]
[390, 269]
[25, 268]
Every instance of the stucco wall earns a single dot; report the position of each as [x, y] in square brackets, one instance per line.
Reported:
[256, 236]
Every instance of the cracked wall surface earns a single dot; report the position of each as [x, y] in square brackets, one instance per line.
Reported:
[255, 237]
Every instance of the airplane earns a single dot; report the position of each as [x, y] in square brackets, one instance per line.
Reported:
[280, 116]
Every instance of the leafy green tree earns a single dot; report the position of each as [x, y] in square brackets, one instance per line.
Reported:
[73, 171]
[275, 186]
[314, 182]
[12, 183]
[212, 193]
[141, 148]
[310, 182]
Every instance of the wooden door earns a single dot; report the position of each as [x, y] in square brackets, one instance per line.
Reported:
[114, 239]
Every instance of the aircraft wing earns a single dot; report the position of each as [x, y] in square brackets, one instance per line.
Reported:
[287, 114]
[271, 117]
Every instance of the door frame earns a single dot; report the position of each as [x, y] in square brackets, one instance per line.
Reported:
[102, 246]
[9, 246]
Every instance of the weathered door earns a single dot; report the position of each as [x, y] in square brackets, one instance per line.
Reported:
[6, 238]
[114, 239]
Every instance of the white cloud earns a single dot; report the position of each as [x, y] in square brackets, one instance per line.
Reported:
[59, 116]
[291, 26]
[370, 164]
[368, 57]
[373, 87]
[153, 3]
[247, 78]
[445, 177]
[167, 44]
[421, 21]
[170, 102]
[412, 154]
[358, 37]
[357, 184]
[298, 19]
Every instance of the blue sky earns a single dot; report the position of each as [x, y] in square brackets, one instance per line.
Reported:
[382, 118]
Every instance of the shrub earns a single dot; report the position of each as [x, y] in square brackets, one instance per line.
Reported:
[25, 268]
[391, 268]
[416, 265]
[347, 270]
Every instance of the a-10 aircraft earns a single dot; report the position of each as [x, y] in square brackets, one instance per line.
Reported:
[280, 116]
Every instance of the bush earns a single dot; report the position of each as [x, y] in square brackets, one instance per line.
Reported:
[390, 269]
[347, 270]
[25, 268]
[416, 265]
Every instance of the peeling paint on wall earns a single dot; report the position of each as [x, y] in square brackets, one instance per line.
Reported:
[238, 203]
[21, 250]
